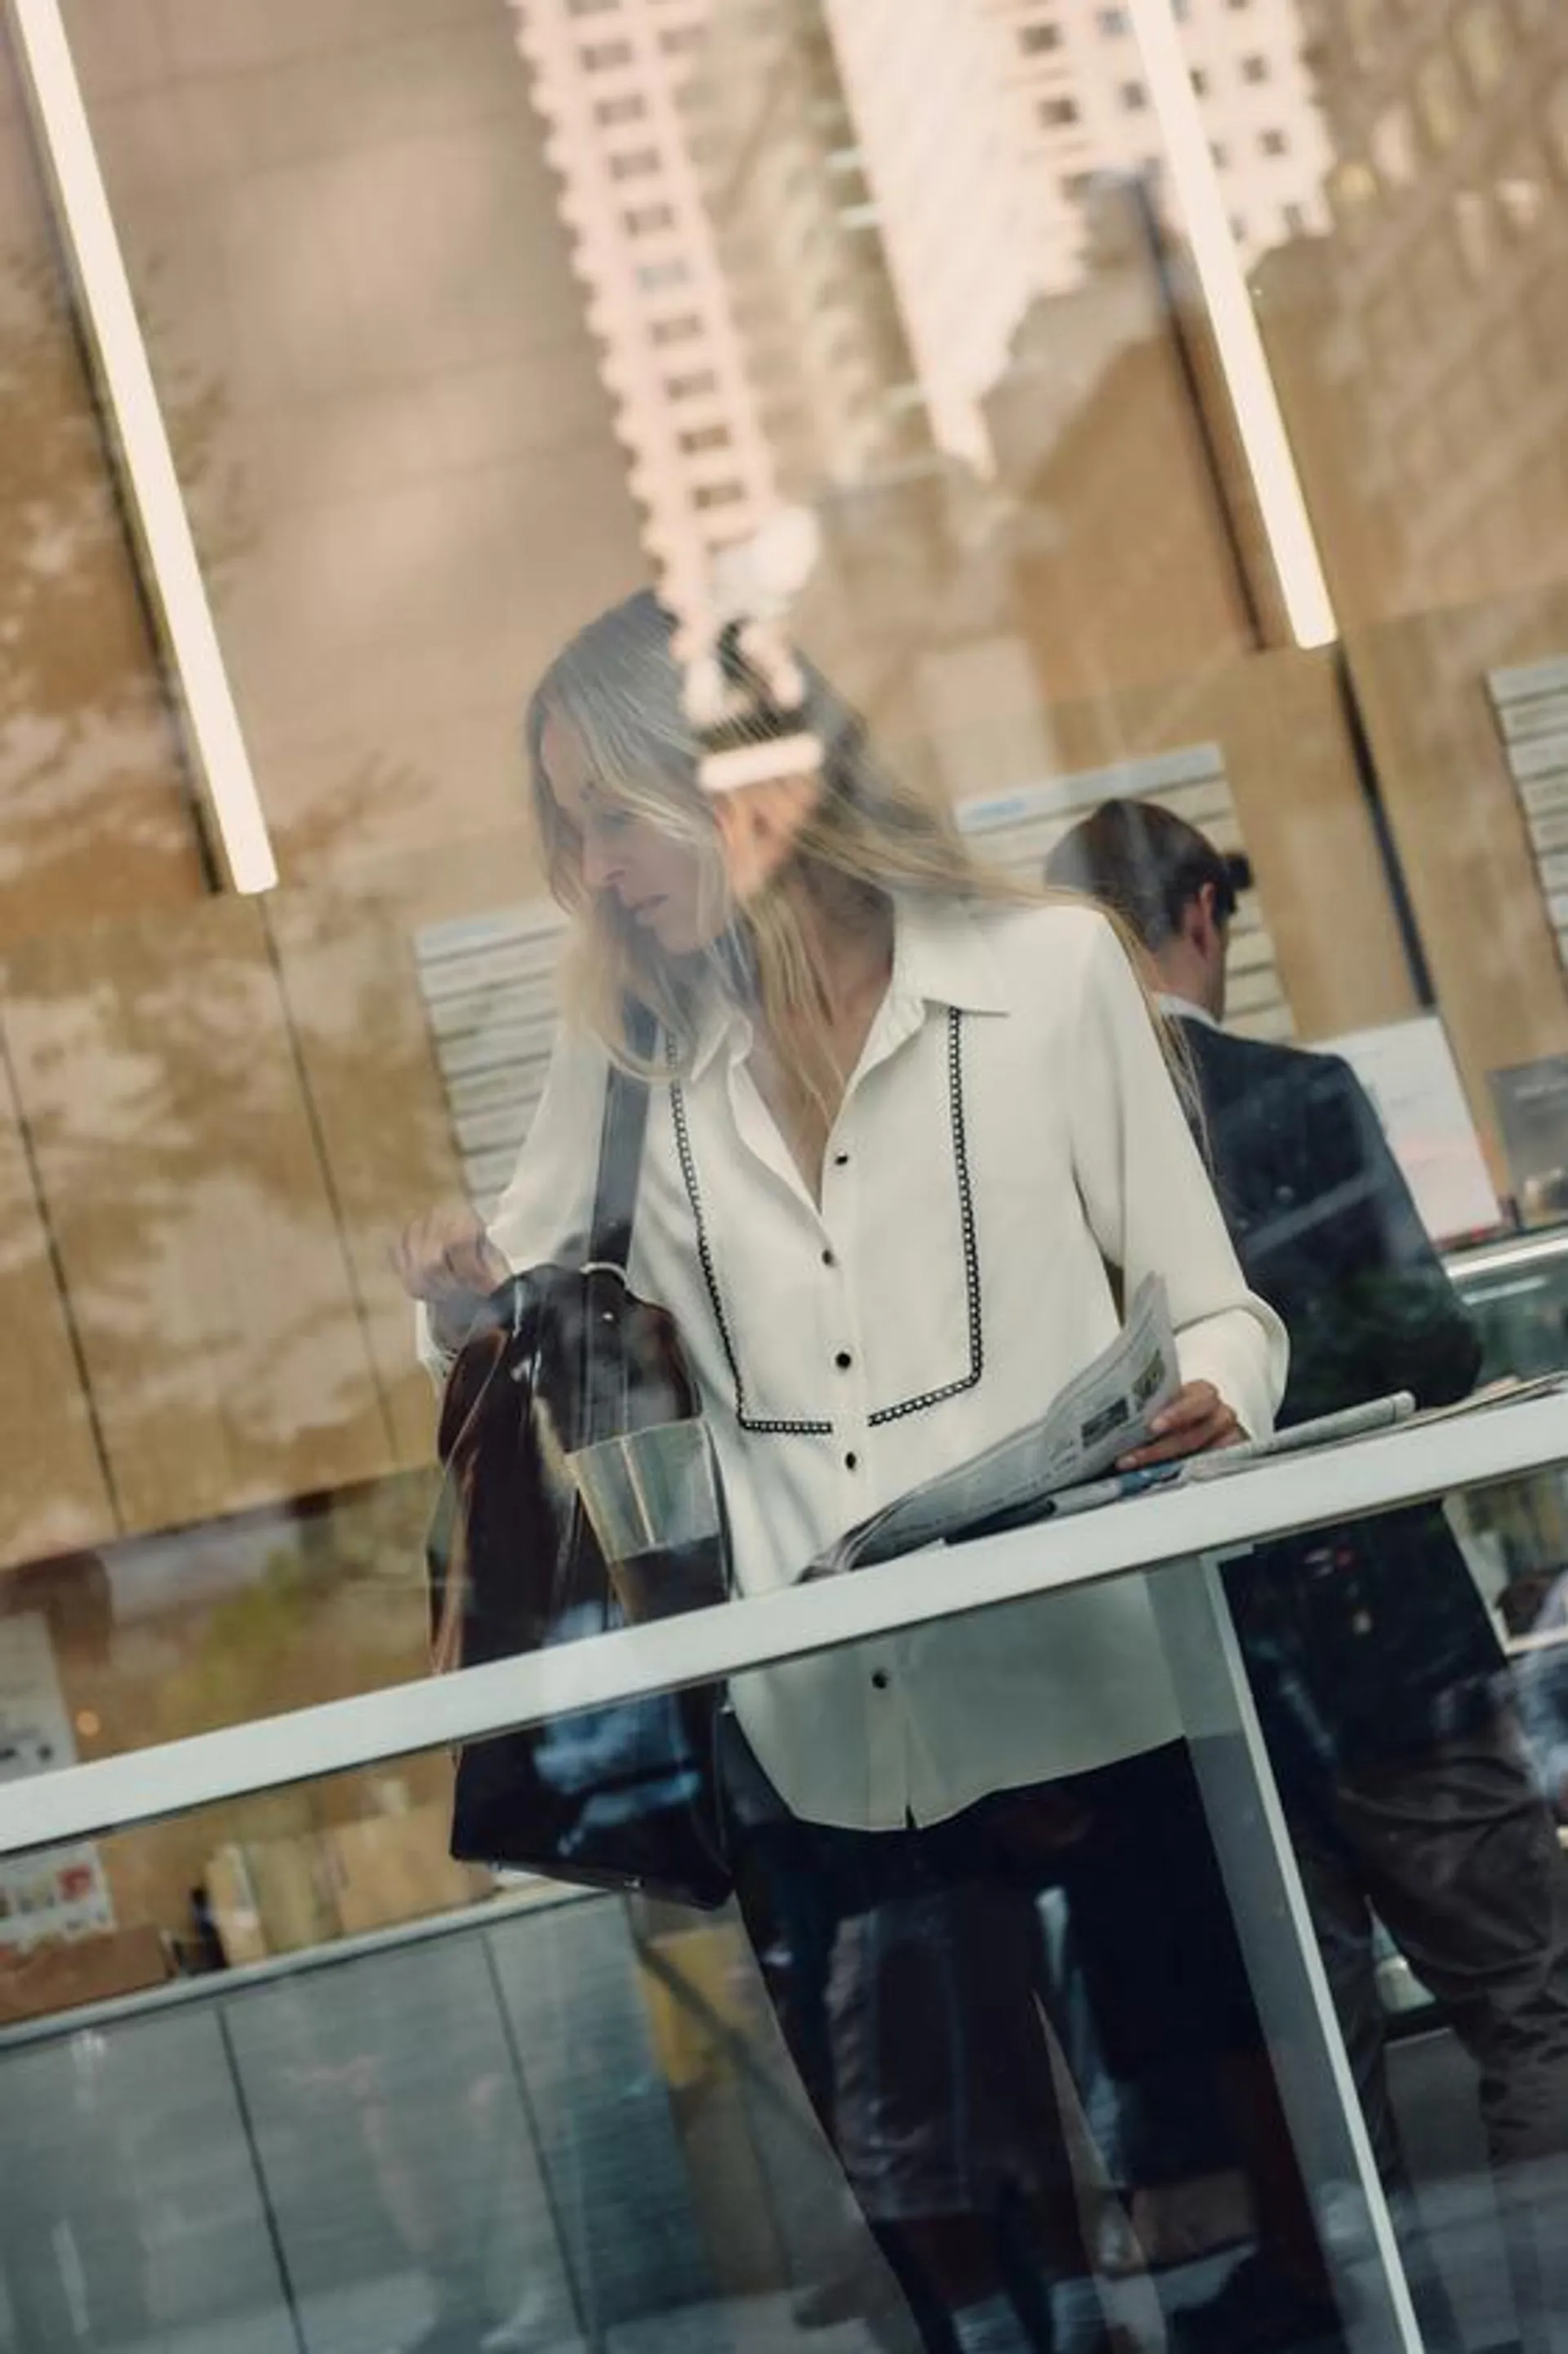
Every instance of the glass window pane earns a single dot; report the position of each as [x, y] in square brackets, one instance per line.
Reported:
[901, 350]
[96, 812]
[345, 244]
[1439, 143]
[575, 2113]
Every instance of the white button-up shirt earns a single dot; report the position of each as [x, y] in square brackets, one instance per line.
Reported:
[1010, 1129]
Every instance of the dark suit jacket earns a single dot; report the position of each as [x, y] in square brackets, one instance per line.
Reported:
[1371, 1636]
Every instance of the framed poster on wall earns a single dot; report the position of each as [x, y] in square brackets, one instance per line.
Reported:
[60, 1891]
[1408, 1070]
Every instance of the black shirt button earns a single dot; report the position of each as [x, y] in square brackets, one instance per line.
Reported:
[880, 1679]
[840, 1161]
[851, 1462]
[829, 1259]
[844, 1361]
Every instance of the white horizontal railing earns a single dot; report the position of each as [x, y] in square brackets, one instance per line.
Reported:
[1272, 1498]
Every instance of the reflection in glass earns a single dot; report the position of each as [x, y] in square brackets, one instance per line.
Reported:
[550, 2124]
[920, 1793]
[465, 320]
[98, 816]
[1378, 1682]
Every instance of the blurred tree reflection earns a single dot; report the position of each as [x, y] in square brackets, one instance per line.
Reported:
[167, 1087]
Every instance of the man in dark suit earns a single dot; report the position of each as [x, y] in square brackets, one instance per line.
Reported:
[1379, 1684]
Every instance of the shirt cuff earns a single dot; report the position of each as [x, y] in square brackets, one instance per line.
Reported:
[1241, 1355]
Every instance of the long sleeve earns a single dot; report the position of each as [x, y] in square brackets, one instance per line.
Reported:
[1148, 1199]
[548, 1200]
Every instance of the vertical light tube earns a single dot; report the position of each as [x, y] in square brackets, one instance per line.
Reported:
[1282, 505]
[173, 575]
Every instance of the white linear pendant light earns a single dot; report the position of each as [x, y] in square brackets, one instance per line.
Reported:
[1271, 462]
[174, 574]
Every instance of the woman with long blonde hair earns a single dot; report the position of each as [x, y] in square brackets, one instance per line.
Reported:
[912, 1136]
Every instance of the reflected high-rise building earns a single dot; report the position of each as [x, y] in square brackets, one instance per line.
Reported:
[929, 315]
[607, 78]
[983, 129]
[955, 209]
[810, 232]
[1421, 364]
[801, 236]
[874, 421]
[1081, 106]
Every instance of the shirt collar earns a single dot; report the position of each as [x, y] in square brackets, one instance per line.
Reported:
[1181, 1009]
[940, 957]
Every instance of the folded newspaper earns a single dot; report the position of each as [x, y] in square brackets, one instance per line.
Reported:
[1090, 1427]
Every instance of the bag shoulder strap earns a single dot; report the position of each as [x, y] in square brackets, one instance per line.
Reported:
[621, 1149]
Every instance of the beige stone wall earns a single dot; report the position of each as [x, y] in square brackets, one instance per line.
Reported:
[1418, 346]
[399, 458]
[360, 305]
[95, 817]
[1460, 829]
[215, 1114]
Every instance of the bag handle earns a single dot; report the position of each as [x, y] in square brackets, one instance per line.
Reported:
[621, 1149]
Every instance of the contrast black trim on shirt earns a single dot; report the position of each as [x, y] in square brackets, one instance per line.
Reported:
[812, 1427]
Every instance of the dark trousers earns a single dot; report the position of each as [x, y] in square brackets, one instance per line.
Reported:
[1455, 1849]
[910, 1976]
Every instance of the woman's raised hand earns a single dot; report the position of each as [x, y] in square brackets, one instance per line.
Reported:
[446, 1258]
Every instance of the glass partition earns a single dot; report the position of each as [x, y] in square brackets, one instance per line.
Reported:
[348, 253]
[98, 817]
[1034, 564]
[739, 533]
[282, 2110]
[1403, 331]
